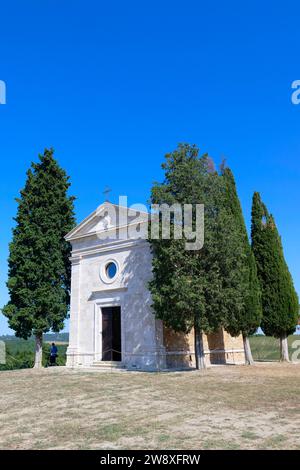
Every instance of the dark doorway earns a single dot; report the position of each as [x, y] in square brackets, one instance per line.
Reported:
[111, 334]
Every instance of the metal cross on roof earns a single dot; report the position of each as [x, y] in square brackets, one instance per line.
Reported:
[106, 192]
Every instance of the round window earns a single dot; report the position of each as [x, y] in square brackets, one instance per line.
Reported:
[111, 270]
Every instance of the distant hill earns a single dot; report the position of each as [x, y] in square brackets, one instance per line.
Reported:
[61, 337]
[64, 337]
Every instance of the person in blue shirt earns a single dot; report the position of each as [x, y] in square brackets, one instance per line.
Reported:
[53, 354]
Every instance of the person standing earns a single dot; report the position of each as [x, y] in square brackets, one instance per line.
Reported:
[53, 354]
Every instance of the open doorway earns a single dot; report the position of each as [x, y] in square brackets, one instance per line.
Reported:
[111, 334]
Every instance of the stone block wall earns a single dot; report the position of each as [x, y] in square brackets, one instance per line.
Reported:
[219, 348]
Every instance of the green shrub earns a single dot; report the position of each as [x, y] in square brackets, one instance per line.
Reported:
[23, 357]
[18, 360]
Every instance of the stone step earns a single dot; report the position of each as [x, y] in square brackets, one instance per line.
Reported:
[108, 364]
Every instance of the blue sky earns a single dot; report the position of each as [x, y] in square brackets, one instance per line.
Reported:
[113, 86]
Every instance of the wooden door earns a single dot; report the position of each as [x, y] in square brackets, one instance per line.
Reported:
[116, 333]
[111, 334]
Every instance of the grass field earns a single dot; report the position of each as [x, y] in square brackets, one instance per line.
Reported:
[266, 348]
[230, 407]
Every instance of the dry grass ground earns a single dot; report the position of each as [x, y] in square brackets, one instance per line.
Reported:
[233, 407]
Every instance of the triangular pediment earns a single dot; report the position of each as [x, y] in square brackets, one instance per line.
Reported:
[105, 218]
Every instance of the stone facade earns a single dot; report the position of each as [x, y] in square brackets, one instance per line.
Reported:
[145, 343]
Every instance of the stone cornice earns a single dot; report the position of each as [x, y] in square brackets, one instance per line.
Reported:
[109, 289]
[98, 233]
[112, 246]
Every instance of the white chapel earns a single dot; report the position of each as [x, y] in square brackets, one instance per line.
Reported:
[111, 319]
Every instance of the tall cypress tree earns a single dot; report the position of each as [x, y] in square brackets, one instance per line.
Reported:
[279, 298]
[193, 289]
[39, 267]
[246, 319]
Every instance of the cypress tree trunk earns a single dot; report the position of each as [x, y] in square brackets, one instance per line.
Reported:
[38, 350]
[199, 350]
[248, 354]
[284, 349]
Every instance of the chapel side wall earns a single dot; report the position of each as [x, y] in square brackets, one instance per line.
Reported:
[219, 348]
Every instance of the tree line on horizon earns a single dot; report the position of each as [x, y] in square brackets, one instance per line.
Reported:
[232, 282]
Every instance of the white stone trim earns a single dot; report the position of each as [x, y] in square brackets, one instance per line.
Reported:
[111, 246]
[100, 209]
[109, 229]
[110, 289]
[74, 333]
[98, 305]
[85, 221]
